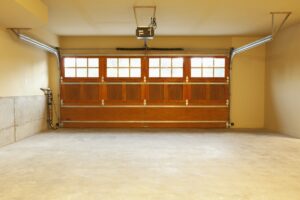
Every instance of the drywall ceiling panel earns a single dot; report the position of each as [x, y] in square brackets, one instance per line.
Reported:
[174, 17]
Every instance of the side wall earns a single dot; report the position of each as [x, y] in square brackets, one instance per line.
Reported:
[283, 82]
[248, 86]
[23, 70]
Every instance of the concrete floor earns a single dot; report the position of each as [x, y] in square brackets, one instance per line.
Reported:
[148, 165]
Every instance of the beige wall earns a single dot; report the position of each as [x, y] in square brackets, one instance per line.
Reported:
[248, 86]
[23, 68]
[283, 82]
[248, 79]
[23, 71]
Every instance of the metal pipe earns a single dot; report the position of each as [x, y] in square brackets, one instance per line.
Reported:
[49, 95]
[36, 43]
[251, 45]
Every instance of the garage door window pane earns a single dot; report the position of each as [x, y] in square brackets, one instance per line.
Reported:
[112, 62]
[154, 62]
[208, 62]
[81, 67]
[81, 62]
[135, 72]
[219, 72]
[177, 72]
[196, 62]
[196, 72]
[70, 72]
[111, 72]
[154, 72]
[124, 72]
[208, 67]
[123, 62]
[93, 62]
[165, 72]
[208, 72]
[93, 72]
[177, 62]
[135, 62]
[166, 67]
[219, 62]
[69, 62]
[165, 62]
[124, 67]
[81, 72]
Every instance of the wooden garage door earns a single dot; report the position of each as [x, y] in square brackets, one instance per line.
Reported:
[145, 92]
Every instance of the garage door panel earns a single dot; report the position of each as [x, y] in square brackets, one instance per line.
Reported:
[156, 93]
[145, 114]
[218, 92]
[172, 95]
[114, 93]
[133, 92]
[208, 103]
[190, 114]
[85, 114]
[80, 94]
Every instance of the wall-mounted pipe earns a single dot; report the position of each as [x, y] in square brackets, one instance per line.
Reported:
[48, 93]
[251, 45]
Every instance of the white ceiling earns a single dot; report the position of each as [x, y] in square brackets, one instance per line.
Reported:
[174, 17]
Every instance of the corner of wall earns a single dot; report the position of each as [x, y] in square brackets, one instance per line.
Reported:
[283, 82]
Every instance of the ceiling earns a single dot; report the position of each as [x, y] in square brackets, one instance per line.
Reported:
[174, 17]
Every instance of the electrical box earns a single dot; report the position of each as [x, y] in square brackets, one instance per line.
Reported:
[144, 33]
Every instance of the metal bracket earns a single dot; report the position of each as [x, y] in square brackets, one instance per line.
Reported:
[187, 79]
[143, 7]
[274, 30]
[186, 102]
[227, 102]
[228, 124]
